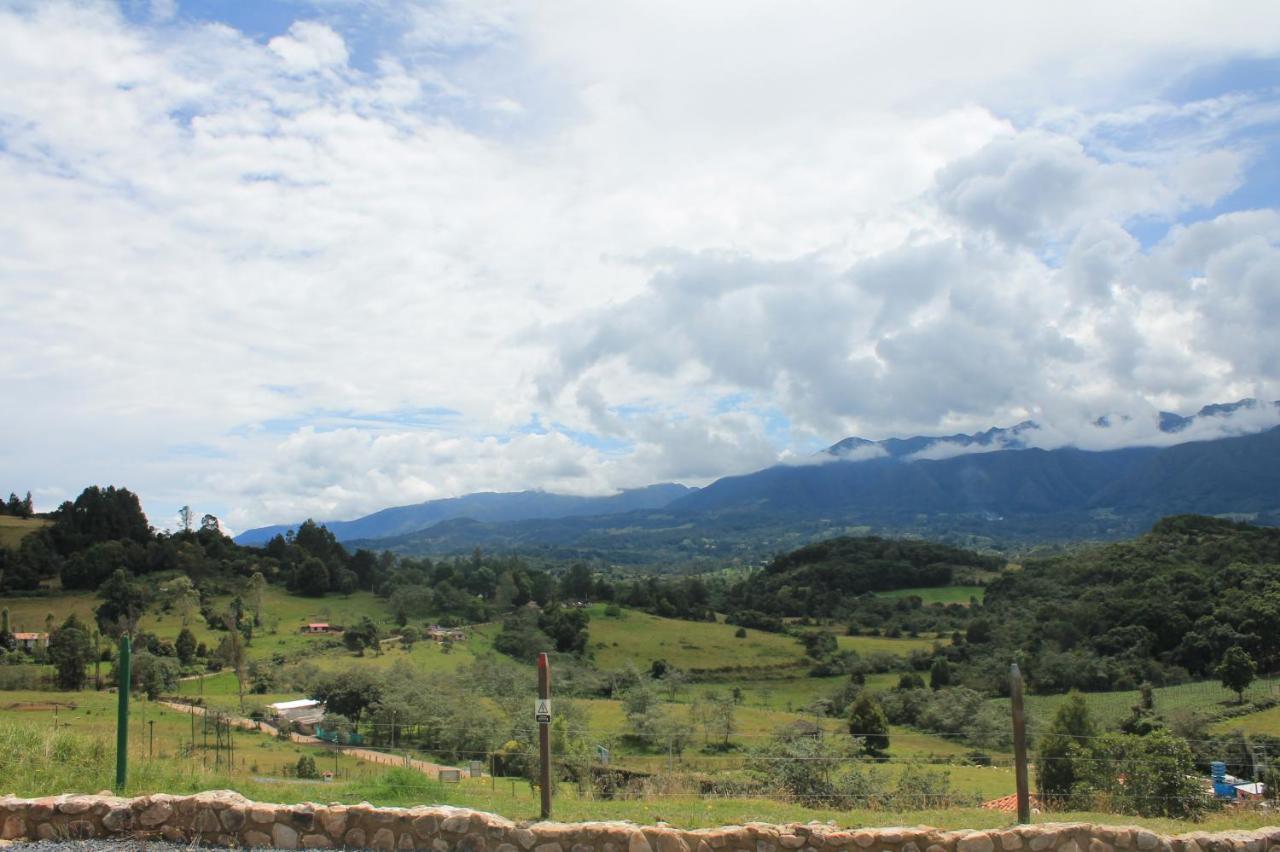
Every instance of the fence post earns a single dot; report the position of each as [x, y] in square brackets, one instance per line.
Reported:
[1020, 744]
[544, 732]
[123, 682]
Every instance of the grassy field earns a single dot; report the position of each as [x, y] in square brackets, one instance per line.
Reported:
[866, 645]
[1262, 722]
[45, 763]
[939, 594]
[283, 613]
[640, 638]
[13, 530]
[1110, 708]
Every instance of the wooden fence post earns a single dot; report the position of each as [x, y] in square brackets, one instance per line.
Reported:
[1020, 744]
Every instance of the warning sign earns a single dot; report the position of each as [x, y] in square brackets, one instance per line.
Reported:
[542, 711]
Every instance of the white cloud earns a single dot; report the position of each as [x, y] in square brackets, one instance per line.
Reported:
[609, 219]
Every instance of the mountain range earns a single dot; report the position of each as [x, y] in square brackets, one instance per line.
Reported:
[998, 489]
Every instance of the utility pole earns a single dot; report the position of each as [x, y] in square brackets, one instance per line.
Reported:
[1020, 744]
[542, 715]
[123, 681]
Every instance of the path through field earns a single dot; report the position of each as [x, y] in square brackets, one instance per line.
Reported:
[427, 768]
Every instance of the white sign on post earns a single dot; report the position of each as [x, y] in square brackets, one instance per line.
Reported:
[542, 711]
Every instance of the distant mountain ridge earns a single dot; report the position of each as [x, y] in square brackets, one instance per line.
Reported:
[1015, 437]
[488, 506]
[1002, 496]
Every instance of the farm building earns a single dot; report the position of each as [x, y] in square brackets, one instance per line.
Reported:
[305, 713]
[30, 641]
[446, 634]
[320, 628]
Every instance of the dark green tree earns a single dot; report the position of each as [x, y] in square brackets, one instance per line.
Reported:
[940, 673]
[868, 721]
[123, 602]
[185, 645]
[70, 651]
[1072, 727]
[1236, 671]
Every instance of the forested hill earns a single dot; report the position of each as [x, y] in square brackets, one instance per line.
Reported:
[1167, 604]
[819, 579]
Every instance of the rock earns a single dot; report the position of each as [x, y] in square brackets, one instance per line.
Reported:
[979, 841]
[864, 838]
[206, 823]
[316, 841]
[791, 841]
[1096, 845]
[75, 806]
[456, 824]
[406, 841]
[439, 845]
[173, 834]
[383, 838]
[1146, 840]
[46, 831]
[256, 840]
[157, 813]
[471, 843]
[1069, 846]
[426, 826]
[117, 819]
[263, 813]
[524, 837]
[284, 837]
[671, 842]
[14, 828]
[1042, 840]
[505, 847]
[763, 844]
[1009, 841]
[547, 847]
[233, 819]
[354, 839]
[638, 842]
[82, 829]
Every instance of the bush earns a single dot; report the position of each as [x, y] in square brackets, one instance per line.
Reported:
[306, 767]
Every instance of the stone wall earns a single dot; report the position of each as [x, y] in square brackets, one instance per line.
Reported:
[226, 818]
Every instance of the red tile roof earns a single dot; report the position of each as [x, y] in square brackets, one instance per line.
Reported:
[1008, 804]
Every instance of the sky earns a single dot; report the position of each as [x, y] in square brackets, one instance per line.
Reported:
[277, 260]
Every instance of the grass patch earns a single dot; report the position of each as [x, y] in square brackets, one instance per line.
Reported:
[939, 594]
[14, 530]
[641, 638]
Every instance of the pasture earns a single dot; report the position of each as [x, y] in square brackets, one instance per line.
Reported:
[939, 594]
[13, 530]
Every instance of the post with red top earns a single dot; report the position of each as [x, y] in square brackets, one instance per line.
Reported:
[542, 715]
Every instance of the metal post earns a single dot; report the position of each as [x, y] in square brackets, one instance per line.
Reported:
[544, 735]
[123, 681]
[1020, 744]
[151, 739]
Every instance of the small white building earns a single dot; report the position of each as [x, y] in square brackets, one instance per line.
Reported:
[306, 713]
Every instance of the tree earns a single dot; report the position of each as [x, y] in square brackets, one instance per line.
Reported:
[310, 577]
[209, 523]
[254, 591]
[1071, 728]
[644, 712]
[306, 767]
[181, 597]
[1143, 718]
[940, 673]
[867, 721]
[154, 675]
[185, 645]
[363, 635]
[349, 693]
[1236, 671]
[70, 652]
[123, 602]
[721, 718]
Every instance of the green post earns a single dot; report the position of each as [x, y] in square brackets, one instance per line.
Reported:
[123, 681]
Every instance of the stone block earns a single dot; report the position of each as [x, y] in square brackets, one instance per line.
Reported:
[156, 813]
[548, 847]
[1010, 841]
[638, 842]
[14, 828]
[233, 819]
[264, 814]
[284, 837]
[457, 824]
[81, 829]
[979, 841]
[383, 838]
[790, 841]
[77, 805]
[206, 823]
[117, 819]
[353, 839]
[864, 838]
[256, 840]
[426, 825]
